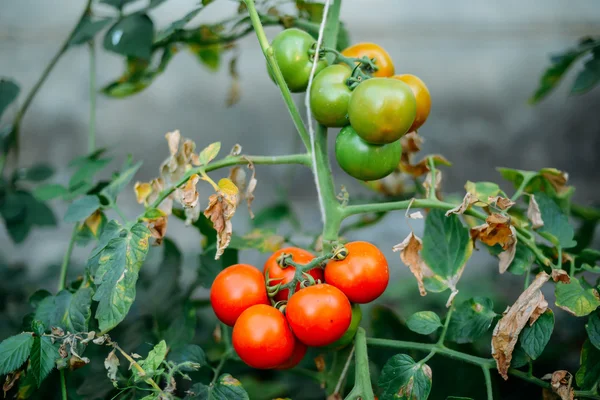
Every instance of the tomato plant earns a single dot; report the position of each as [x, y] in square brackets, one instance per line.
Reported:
[134, 322]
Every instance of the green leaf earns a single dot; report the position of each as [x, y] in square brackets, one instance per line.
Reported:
[183, 328]
[560, 65]
[209, 153]
[82, 208]
[151, 365]
[87, 168]
[117, 185]
[519, 357]
[69, 311]
[36, 298]
[88, 29]
[517, 176]
[131, 36]
[226, 388]
[163, 289]
[447, 246]
[37, 173]
[43, 358]
[403, 378]
[14, 351]
[424, 322]
[575, 298]
[118, 4]
[483, 190]
[471, 319]
[555, 222]
[263, 240]
[118, 267]
[589, 77]
[273, 215]
[49, 192]
[523, 260]
[593, 329]
[111, 231]
[9, 91]
[177, 25]
[208, 55]
[535, 338]
[188, 353]
[91, 229]
[210, 268]
[588, 374]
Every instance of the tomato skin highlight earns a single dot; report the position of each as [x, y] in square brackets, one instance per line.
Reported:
[381, 110]
[422, 96]
[262, 337]
[235, 289]
[362, 276]
[319, 314]
[290, 48]
[383, 61]
[329, 96]
[285, 275]
[297, 356]
[365, 161]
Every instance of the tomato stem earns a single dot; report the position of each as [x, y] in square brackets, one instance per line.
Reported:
[362, 384]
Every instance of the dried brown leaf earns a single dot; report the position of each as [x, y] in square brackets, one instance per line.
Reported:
[187, 194]
[560, 275]
[111, 363]
[249, 193]
[507, 256]
[76, 362]
[220, 210]
[467, 202]
[501, 203]
[529, 305]
[561, 383]
[10, 381]
[558, 179]
[410, 249]
[93, 222]
[534, 214]
[411, 143]
[422, 167]
[236, 150]
[320, 363]
[496, 230]
[428, 183]
[392, 185]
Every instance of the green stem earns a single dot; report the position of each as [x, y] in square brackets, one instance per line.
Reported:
[269, 55]
[301, 159]
[217, 371]
[586, 213]
[92, 122]
[362, 379]
[440, 341]
[36, 87]
[433, 172]
[120, 213]
[2, 163]
[62, 280]
[63, 385]
[520, 190]
[488, 383]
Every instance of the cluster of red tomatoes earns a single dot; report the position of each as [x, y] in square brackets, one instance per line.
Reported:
[316, 315]
[374, 111]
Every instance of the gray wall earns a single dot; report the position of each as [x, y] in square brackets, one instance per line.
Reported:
[481, 61]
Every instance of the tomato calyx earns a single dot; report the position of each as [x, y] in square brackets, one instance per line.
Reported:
[361, 67]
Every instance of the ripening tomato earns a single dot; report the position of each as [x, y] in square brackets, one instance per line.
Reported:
[350, 332]
[422, 96]
[297, 356]
[362, 276]
[383, 61]
[290, 48]
[329, 96]
[381, 110]
[285, 275]
[365, 161]
[319, 314]
[262, 337]
[235, 289]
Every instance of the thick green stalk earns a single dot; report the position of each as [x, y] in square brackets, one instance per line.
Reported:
[446, 325]
[488, 383]
[269, 55]
[62, 280]
[63, 385]
[92, 122]
[362, 379]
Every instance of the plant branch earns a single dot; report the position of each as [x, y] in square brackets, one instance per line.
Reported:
[63, 385]
[92, 122]
[270, 56]
[62, 280]
[137, 366]
[362, 379]
[440, 341]
[433, 172]
[217, 370]
[488, 383]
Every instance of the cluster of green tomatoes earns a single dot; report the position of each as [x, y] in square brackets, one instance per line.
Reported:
[359, 93]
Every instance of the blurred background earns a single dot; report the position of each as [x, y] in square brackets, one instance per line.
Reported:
[480, 60]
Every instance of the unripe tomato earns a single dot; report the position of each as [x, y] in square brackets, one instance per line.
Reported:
[381, 110]
[329, 96]
[262, 337]
[285, 275]
[235, 289]
[365, 161]
[385, 66]
[297, 356]
[319, 315]
[422, 96]
[362, 276]
[351, 331]
[290, 48]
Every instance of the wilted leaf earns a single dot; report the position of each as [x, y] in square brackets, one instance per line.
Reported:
[560, 275]
[577, 298]
[498, 230]
[424, 322]
[429, 185]
[561, 384]
[111, 363]
[403, 378]
[528, 307]
[501, 203]
[410, 250]
[422, 167]
[142, 191]
[14, 351]
[534, 214]
[460, 209]
[471, 319]
[220, 210]
[534, 338]
[588, 374]
[188, 197]
[482, 191]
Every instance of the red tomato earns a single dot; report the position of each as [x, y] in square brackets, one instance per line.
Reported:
[262, 337]
[319, 315]
[297, 356]
[285, 275]
[363, 275]
[235, 289]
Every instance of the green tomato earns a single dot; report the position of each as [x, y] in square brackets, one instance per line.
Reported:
[348, 337]
[381, 110]
[290, 48]
[329, 96]
[363, 160]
